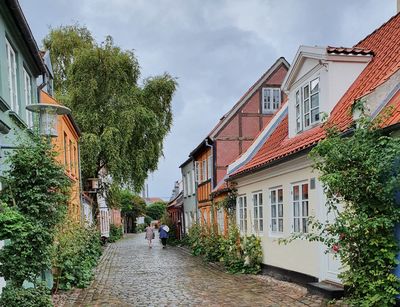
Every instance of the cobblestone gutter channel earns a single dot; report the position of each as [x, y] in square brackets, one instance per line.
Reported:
[131, 274]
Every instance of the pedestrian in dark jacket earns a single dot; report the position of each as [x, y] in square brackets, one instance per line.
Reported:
[164, 234]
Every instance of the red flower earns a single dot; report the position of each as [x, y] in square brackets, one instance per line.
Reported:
[335, 248]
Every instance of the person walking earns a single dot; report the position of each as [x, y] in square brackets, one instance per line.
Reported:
[164, 234]
[149, 235]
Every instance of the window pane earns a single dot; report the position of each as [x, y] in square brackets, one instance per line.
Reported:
[314, 86]
[273, 197]
[298, 98]
[298, 127]
[304, 194]
[260, 199]
[297, 110]
[280, 210]
[296, 211]
[314, 101]
[261, 225]
[305, 226]
[296, 225]
[255, 213]
[296, 192]
[255, 200]
[315, 115]
[306, 92]
[273, 225]
[307, 120]
[260, 211]
[273, 211]
[306, 106]
[280, 225]
[305, 208]
[280, 195]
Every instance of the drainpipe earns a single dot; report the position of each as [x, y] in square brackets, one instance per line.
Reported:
[212, 151]
[80, 183]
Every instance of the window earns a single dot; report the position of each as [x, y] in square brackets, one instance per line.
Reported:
[307, 105]
[12, 77]
[204, 170]
[76, 161]
[65, 149]
[258, 214]
[197, 171]
[276, 198]
[28, 98]
[221, 220]
[300, 207]
[193, 181]
[242, 203]
[185, 192]
[71, 160]
[189, 182]
[271, 99]
[209, 167]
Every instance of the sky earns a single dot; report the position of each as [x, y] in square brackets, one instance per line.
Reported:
[215, 48]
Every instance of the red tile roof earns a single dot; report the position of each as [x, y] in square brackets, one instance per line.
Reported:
[350, 51]
[385, 44]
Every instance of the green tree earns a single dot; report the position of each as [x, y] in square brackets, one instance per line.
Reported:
[123, 124]
[64, 42]
[132, 206]
[156, 210]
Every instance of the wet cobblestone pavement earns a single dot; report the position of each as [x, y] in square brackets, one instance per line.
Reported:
[131, 274]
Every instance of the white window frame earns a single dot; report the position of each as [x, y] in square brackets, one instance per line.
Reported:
[304, 108]
[242, 213]
[193, 182]
[209, 167]
[28, 97]
[204, 170]
[185, 191]
[189, 183]
[268, 102]
[258, 212]
[12, 77]
[197, 171]
[300, 215]
[276, 206]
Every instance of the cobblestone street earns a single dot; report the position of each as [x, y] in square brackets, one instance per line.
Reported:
[131, 274]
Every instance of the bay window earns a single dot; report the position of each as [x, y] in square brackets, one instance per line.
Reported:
[307, 105]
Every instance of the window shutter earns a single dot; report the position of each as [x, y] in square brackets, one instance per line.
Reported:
[197, 171]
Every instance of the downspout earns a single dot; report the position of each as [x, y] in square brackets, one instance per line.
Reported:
[212, 151]
[80, 183]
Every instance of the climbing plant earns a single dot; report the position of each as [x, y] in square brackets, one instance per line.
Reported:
[360, 173]
[34, 201]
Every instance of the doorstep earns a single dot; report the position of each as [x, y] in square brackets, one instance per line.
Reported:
[326, 289]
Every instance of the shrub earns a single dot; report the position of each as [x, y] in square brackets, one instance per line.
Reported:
[115, 233]
[238, 254]
[76, 252]
[31, 297]
[141, 227]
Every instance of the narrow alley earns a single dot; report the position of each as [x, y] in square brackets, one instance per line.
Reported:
[131, 274]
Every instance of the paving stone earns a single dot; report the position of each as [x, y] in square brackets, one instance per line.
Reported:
[131, 274]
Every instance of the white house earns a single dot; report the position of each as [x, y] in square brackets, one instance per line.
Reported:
[277, 187]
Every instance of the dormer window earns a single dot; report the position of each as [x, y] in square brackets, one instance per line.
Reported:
[271, 99]
[307, 105]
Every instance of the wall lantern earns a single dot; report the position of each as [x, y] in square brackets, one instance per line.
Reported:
[48, 114]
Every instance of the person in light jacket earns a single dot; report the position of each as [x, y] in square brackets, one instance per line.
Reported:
[163, 235]
[149, 234]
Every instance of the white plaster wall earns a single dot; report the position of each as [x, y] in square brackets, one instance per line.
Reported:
[300, 256]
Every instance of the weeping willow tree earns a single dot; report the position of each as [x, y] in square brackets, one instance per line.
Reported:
[123, 123]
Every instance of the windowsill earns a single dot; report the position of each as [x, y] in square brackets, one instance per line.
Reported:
[276, 235]
[17, 119]
[269, 112]
[309, 128]
[4, 105]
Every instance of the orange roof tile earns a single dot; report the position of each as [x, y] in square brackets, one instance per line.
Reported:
[385, 45]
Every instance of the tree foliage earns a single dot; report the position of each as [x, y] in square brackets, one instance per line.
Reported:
[123, 124]
[360, 173]
[34, 200]
[156, 210]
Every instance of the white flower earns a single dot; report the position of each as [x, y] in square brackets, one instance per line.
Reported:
[247, 260]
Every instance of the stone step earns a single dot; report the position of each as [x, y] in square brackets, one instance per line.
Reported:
[326, 289]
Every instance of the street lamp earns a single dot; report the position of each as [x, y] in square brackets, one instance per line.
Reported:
[48, 117]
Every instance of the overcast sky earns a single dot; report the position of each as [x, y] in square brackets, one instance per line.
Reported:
[216, 48]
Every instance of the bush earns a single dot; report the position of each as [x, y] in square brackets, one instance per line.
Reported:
[238, 254]
[141, 227]
[31, 297]
[115, 233]
[76, 252]
[156, 210]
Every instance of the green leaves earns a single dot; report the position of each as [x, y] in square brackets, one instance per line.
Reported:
[123, 124]
[361, 172]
